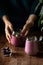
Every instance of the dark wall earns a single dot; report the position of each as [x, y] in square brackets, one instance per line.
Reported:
[2, 26]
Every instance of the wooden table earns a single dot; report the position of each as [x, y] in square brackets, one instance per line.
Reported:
[18, 58]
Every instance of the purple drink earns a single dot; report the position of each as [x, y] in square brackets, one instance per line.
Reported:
[31, 47]
[15, 40]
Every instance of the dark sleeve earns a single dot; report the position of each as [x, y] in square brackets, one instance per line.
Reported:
[36, 7]
[2, 9]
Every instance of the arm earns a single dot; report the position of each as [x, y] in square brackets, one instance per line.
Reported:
[4, 17]
[8, 27]
[29, 24]
[31, 19]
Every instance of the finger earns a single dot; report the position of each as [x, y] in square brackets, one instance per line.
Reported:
[26, 33]
[11, 28]
[8, 38]
[23, 30]
[8, 35]
[7, 32]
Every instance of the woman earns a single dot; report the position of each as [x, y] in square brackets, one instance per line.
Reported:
[18, 14]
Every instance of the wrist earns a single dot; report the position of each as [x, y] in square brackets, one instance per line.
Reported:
[5, 19]
[30, 23]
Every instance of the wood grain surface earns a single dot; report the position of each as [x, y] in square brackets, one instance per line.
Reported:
[18, 56]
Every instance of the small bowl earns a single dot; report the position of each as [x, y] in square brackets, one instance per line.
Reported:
[31, 47]
[16, 41]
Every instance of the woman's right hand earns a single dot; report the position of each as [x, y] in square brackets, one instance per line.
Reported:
[8, 30]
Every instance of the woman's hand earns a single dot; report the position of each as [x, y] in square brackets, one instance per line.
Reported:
[8, 30]
[25, 30]
[8, 27]
[28, 25]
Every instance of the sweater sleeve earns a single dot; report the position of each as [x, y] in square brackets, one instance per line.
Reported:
[36, 7]
[2, 9]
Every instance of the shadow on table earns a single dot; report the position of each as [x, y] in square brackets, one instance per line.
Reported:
[15, 55]
[39, 55]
